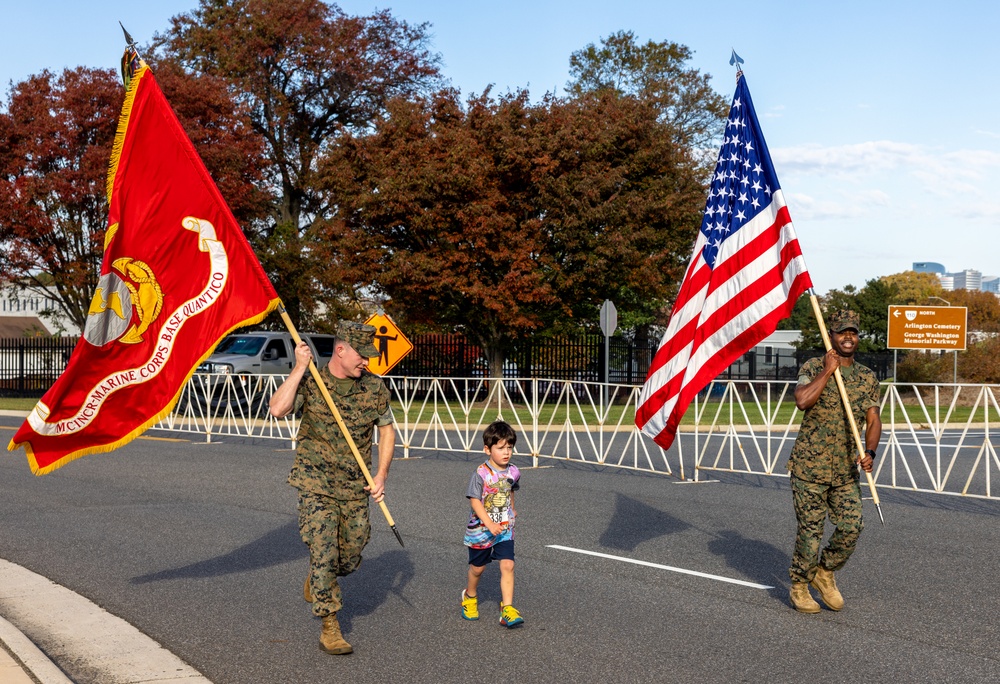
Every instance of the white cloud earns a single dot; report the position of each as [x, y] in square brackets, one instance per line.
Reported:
[883, 155]
[872, 208]
[775, 112]
[844, 159]
[839, 205]
[952, 182]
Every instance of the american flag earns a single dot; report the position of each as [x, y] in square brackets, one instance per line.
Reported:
[745, 275]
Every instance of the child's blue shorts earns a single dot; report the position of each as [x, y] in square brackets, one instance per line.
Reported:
[502, 551]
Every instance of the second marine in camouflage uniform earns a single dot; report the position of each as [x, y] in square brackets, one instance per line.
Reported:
[823, 464]
[333, 493]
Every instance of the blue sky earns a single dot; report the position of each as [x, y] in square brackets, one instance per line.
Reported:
[879, 115]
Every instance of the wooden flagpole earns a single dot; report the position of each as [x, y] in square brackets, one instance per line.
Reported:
[340, 421]
[846, 401]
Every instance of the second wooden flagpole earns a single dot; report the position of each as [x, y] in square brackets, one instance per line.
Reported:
[340, 421]
[846, 401]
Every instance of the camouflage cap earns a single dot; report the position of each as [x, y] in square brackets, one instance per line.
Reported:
[359, 336]
[843, 320]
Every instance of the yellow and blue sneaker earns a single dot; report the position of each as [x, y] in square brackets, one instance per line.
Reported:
[509, 617]
[470, 606]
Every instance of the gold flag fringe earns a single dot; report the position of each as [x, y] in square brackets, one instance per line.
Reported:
[116, 149]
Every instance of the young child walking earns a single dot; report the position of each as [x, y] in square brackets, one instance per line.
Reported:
[490, 531]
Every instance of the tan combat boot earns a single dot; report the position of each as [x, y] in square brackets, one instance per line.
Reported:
[802, 600]
[306, 593]
[331, 640]
[826, 585]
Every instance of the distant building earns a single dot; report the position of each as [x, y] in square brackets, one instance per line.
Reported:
[24, 313]
[969, 279]
[928, 267]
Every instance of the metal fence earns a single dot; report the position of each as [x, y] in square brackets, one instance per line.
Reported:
[938, 439]
[29, 365]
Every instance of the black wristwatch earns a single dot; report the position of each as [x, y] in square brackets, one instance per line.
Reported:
[870, 452]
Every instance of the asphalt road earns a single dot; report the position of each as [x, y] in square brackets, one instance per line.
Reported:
[196, 545]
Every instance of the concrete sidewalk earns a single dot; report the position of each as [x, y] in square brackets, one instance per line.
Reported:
[21, 662]
[43, 624]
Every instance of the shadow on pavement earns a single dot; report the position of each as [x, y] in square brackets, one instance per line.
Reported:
[749, 556]
[368, 588]
[274, 548]
[635, 522]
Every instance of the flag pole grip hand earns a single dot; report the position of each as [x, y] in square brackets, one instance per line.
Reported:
[314, 371]
[845, 400]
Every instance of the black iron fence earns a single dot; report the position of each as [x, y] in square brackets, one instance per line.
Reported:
[564, 358]
[29, 365]
[764, 363]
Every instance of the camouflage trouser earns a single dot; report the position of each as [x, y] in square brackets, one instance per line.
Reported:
[336, 533]
[813, 502]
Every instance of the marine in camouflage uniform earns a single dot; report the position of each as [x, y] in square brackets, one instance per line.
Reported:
[823, 463]
[333, 493]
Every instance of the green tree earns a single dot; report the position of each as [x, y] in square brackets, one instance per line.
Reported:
[802, 316]
[656, 73]
[871, 303]
[305, 71]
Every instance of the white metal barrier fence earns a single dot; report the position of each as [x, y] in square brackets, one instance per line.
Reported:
[935, 438]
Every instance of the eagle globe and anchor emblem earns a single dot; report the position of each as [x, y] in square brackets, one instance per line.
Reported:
[126, 301]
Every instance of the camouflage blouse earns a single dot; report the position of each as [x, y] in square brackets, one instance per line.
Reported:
[324, 463]
[824, 451]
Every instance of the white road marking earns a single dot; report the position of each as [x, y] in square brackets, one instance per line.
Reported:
[661, 567]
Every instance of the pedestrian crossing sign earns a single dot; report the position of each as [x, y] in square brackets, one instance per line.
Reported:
[391, 343]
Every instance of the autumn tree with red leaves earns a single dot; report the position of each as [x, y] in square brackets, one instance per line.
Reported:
[56, 135]
[305, 71]
[505, 218]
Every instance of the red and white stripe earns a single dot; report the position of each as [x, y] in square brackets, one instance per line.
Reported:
[722, 313]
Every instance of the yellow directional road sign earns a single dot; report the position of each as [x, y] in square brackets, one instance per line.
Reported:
[391, 343]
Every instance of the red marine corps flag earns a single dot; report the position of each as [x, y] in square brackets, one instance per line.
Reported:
[177, 276]
[746, 273]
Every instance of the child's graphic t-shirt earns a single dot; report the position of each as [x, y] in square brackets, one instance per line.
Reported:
[495, 488]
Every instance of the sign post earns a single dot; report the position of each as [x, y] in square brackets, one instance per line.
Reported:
[928, 327]
[609, 323]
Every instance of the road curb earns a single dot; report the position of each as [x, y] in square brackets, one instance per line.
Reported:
[93, 644]
[29, 656]
[15, 414]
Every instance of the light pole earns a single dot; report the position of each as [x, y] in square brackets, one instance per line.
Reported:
[955, 374]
